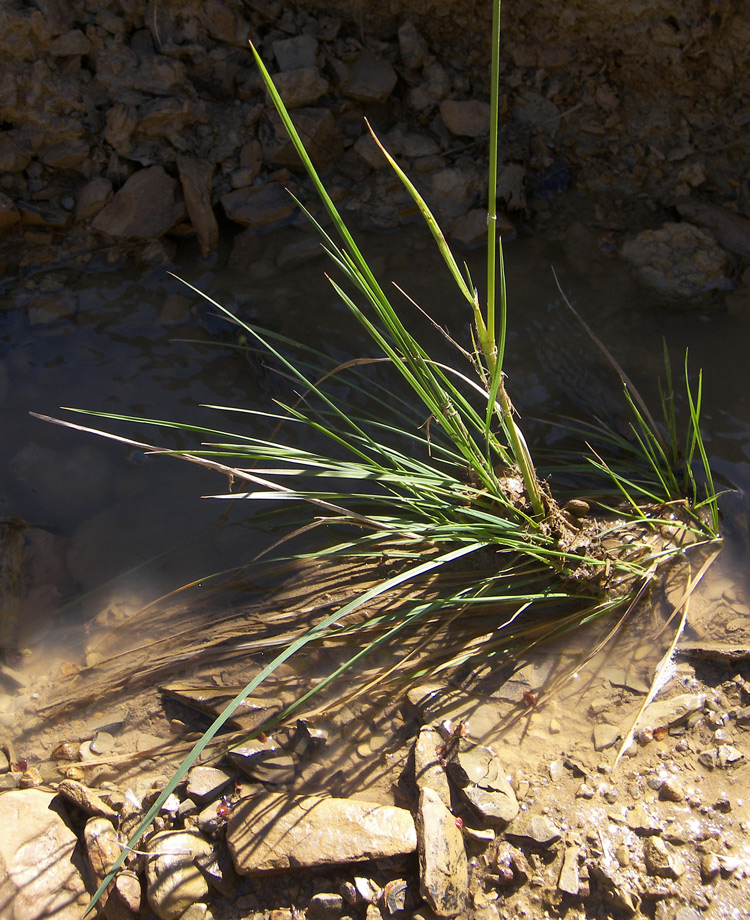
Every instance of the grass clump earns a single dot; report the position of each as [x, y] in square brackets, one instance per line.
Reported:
[424, 463]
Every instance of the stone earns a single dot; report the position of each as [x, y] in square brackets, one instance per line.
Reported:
[317, 126]
[536, 111]
[12, 158]
[640, 820]
[605, 736]
[678, 260]
[369, 79]
[296, 53]
[538, 831]
[196, 178]
[299, 253]
[428, 772]
[264, 761]
[70, 44]
[165, 117]
[207, 783]
[85, 799]
[95, 195]
[122, 900]
[673, 710]
[672, 790]
[9, 215]
[465, 118]
[660, 860]
[325, 906]
[278, 831]
[122, 120]
[263, 208]
[731, 230]
[40, 873]
[443, 867]
[478, 774]
[173, 880]
[412, 46]
[452, 192]
[569, 880]
[147, 206]
[301, 87]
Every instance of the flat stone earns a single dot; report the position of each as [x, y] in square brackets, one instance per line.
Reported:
[196, 176]
[569, 881]
[537, 830]
[640, 820]
[466, 118]
[670, 712]
[325, 906]
[280, 831]
[443, 867]
[85, 799]
[122, 900]
[40, 873]
[478, 774]
[173, 880]
[605, 736]
[264, 761]
[147, 206]
[428, 772]
[263, 208]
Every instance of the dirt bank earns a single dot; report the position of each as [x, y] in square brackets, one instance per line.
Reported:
[127, 125]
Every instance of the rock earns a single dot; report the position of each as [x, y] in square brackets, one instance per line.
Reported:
[660, 860]
[452, 192]
[412, 46]
[536, 111]
[605, 736]
[102, 743]
[196, 176]
[678, 260]
[395, 896]
[92, 198]
[12, 158]
[207, 783]
[165, 117]
[70, 44]
[511, 865]
[538, 831]
[85, 799]
[478, 774]
[470, 229]
[671, 790]
[263, 761]
[369, 79]
[296, 53]
[443, 867]
[428, 773]
[731, 230]
[316, 125]
[670, 712]
[173, 880]
[466, 118]
[640, 820]
[325, 906]
[121, 123]
[569, 881]
[9, 215]
[614, 886]
[40, 874]
[279, 831]
[218, 870]
[102, 849]
[147, 206]
[264, 207]
[301, 87]
[300, 252]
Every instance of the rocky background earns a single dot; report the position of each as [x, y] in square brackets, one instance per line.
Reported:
[125, 125]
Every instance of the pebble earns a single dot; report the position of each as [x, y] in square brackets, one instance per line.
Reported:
[443, 867]
[325, 906]
[605, 736]
[660, 860]
[102, 743]
[173, 880]
[569, 880]
[206, 783]
[538, 830]
[86, 799]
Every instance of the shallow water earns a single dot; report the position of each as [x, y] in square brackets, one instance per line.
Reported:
[115, 528]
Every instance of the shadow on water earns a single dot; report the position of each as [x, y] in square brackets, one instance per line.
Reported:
[103, 530]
